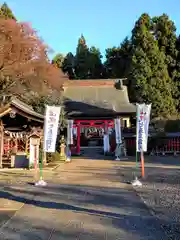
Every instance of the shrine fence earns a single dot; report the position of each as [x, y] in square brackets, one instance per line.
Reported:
[161, 146]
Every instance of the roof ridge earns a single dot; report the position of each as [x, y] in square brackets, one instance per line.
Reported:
[16, 100]
[25, 107]
[92, 82]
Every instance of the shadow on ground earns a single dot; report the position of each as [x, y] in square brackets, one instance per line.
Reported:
[118, 212]
[86, 211]
[78, 195]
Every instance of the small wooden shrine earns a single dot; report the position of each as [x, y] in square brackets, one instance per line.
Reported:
[18, 121]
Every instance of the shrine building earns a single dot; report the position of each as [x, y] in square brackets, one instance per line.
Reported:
[18, 122]
[93, 105]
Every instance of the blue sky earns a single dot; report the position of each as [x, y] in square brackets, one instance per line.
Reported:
[103, 23]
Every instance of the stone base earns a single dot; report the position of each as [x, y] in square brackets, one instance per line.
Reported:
[68, 160]
[41, 183]
[121, 158]
[136, 183]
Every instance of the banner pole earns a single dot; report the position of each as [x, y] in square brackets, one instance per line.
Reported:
[136, 172]
[41, 163]
[142, 164]
[136, 182]
[51, 122]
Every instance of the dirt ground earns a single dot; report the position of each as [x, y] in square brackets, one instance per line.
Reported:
[85, 199]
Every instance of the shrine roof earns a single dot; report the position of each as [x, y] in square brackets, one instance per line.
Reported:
[22, 108]
[96, 98]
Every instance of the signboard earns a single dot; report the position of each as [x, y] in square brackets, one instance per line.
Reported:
[143, 117]
[117, 125]
[94, 132]
[51, 128]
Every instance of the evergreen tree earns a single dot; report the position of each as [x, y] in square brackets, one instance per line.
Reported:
[6, 12]
[176, 76]
[58, 60]
[149, 77]
[68, 65]
[118, 59]
[95, 64]
[164, 31]
[82, 59]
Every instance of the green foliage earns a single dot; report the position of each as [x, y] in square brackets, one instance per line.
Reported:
[6, 12]
[40, 103]
[82, 59]
[58, 60]
[68, 65]
[150, 59]
[118, 60]
[95, 64]
[150, 80]
[86, 64]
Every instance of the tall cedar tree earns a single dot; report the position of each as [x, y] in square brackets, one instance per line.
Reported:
[68, 66]
[95, 64]
[82, 59]
[118, 60]
[176, 77]
[86, 64]
[6, 13]
[164, 31]
[150, 81]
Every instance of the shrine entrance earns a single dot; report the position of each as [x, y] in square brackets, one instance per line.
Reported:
[89, 134]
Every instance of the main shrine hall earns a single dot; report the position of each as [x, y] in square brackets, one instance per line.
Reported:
[93, 105]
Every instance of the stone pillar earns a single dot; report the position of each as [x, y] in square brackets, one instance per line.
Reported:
[62, 149]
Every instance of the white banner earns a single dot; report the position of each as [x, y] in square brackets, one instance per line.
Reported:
[70, 132]
[117, 125]
[142, 126]
[51, 128]
[106, 143]
[75, 132]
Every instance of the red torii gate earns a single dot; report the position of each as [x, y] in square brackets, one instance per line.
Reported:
[90, 123]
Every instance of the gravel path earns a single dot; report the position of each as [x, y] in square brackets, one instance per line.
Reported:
[161, 193]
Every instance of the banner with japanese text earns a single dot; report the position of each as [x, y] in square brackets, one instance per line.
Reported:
[117, 126]
[70, 131]
[142, 126]
[106, 143]
[51, 128]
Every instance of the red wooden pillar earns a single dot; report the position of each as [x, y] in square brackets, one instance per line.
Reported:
[78, 138]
